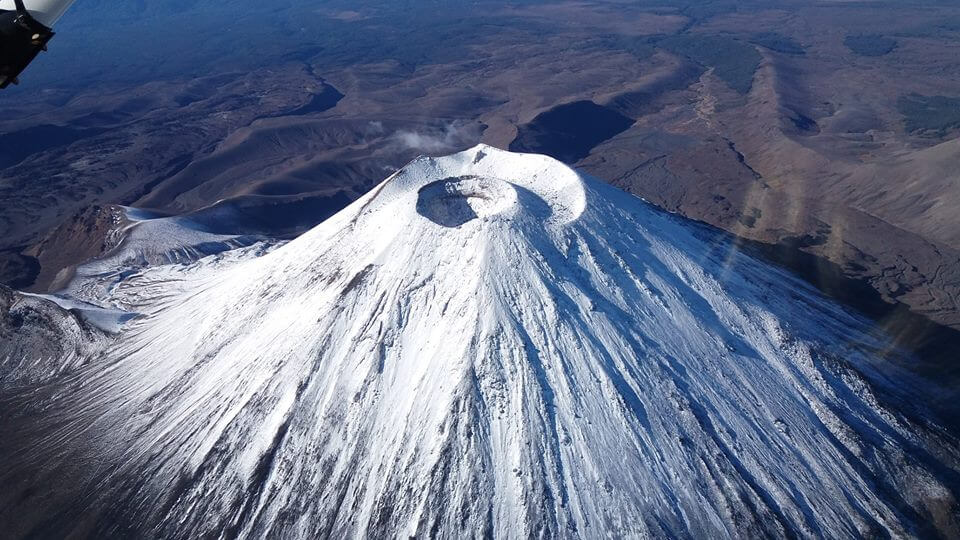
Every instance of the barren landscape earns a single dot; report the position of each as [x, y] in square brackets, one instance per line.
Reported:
[822, 134]
[489, 269]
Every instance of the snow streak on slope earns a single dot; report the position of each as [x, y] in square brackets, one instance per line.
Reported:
[40, 339]
[148, 240]
[486, 344]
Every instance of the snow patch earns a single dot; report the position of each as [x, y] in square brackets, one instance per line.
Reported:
[106, 319]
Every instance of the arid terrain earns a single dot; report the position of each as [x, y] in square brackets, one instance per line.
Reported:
[826, 135]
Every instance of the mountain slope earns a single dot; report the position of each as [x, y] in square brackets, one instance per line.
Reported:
[39, 339]
[486, 344]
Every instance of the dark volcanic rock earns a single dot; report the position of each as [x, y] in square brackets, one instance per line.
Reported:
[17, 270]
[18, 145]
[324, 100]
[86, 235]
[568, 132]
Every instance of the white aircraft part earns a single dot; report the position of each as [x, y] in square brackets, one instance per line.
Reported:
[48, 12]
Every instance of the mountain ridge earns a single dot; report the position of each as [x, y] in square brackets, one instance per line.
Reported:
[486, 344]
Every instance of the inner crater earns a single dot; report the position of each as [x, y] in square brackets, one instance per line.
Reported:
[451, 202]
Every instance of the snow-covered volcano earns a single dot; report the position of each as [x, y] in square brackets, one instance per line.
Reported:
[487, 344]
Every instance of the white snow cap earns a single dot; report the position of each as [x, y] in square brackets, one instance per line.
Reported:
[488, 344]
[484, 182]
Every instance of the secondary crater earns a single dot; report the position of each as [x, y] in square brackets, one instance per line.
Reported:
[451, 202]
